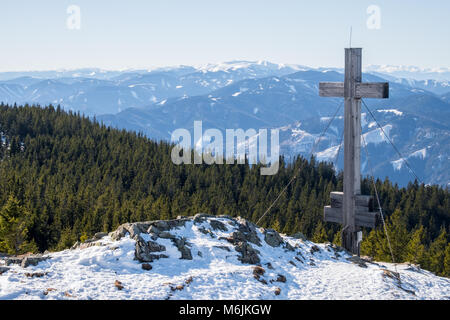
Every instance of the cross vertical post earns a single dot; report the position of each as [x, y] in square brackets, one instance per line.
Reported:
[350, 208]
[352, 144]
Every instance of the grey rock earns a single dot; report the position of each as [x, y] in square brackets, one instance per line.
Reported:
[272, 238]
[201, 217]
[181, 245]
[248, 230]
[177, 223]
[206, 231]
[288, 247]
[119, 233]
[144, 250]
[32, 260]
[299, 235]
[269, 266]
[154, 230]
[223, 248]
[166, 235]
[162, 225]
[358, 261]
[315, 249]
[217, 225]
[100, 235]
[3, 270]
[134, 229]
[13, 260]
[281, 278]
[248, 253]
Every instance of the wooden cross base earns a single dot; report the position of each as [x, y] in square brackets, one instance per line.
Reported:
[364, 215]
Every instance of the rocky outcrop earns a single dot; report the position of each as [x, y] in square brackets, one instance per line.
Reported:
[248, 230]
[145, 250]
[181, 245]
[272, 238]
[26, 260]
[133, 229]
[217, 225]
[153, 227]
[358, 261]
[248, 253]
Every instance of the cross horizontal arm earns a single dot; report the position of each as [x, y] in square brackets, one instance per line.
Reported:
[362, 218]
[378, 90]
[331, 89]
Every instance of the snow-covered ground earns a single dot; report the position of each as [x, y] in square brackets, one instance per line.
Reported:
[296, 269]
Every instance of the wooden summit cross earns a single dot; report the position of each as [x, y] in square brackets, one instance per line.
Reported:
[350, 208]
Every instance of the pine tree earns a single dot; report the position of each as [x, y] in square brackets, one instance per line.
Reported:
[415, 250]
[437, 253]
[337, 239]
[14, 228]
[447, 261]
[320, 234]
[398, 234]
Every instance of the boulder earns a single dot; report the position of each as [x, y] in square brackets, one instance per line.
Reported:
[248, 230]
[153, 230]
[248, 253]
[288, 247]
[100, 235]
[272, 238]
[206, 231]
[177, 223]
[146, 266]
[134, 229]
[161, 225]
[13, 260]
[119, 233]
[166, 235]
[32, 260]
[358, 261]
[201, 217]
[181, 245]
[217, 225]
[144, 250]
[299, 235]
[3, 270]
[258, 271]
[314, 249]
[281, 278]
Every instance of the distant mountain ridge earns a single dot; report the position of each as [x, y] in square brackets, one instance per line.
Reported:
[246, 94]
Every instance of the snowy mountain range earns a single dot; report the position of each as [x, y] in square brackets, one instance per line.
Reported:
[206, 257]
[245, 94]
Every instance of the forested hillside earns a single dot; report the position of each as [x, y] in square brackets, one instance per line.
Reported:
[64, 177]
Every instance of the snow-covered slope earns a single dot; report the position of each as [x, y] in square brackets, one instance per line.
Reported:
[207, 257]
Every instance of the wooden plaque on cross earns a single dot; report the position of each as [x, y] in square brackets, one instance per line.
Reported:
[350, 208]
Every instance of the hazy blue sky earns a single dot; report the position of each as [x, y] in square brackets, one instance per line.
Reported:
[144, 33]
